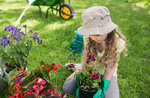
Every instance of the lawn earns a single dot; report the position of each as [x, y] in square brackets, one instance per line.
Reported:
[57, 34]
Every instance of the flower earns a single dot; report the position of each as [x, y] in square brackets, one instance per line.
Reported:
[90, 77]
[25, 26]
[40, 80]
[15, 46]
[39, 85]
[53, 64]
[90, 71]
[23, 73]
[17, 94]
[54, 68]
[43, 65]
[59, 66]
[48, 69]
[95, 76]
[35, 87]
[54, 88]
[12, 97]
[20, 69]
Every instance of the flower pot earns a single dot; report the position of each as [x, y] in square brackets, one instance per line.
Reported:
[85, 93]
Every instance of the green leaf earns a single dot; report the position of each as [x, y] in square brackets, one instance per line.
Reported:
[45, 74]
[29, 86]
[27, 80]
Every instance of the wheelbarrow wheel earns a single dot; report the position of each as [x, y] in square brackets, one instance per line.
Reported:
[66, 11]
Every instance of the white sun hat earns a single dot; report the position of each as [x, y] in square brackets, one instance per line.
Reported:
[96, 21]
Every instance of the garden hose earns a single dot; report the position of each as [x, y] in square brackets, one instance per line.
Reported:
[77, 44]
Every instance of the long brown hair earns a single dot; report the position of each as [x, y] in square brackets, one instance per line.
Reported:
[90, 48]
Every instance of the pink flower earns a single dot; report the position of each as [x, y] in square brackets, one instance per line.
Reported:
[17, 94]
[102, 65]
[43, 65]
[29, 92]
[57, 93]
[35, 87]
[53, 64]
[40, 80]
[59, 66]
[48, 69]
[55, 68]
[41, 87]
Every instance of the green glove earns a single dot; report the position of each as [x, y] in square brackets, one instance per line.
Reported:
[76, 87]
[101, 92]
[97, 95]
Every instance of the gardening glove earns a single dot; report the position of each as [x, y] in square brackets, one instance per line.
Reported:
[76, 87]
[101, 92]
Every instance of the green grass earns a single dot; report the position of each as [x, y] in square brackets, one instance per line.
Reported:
[57, 34]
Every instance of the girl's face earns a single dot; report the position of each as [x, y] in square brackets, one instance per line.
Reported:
[98, 38]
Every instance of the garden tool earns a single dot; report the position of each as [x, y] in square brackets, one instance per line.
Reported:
[30, 2]
[77, 44]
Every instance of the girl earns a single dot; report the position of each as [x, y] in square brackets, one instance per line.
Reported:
[100, 35]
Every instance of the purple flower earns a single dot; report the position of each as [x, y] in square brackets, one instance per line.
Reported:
[25, 26]
[21, 34]
[35, 37]
[100, 60]
[90, 56]
[4, 41]
[96, 54]
[90, 71]
[9, 28]
[19, 78]
[88, 61]
[93, 58]
[74, 59]
[4, 38]
[30, 31]
[40, 42]
[95, 76]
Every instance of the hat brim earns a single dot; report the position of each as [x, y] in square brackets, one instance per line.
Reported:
[97, 30]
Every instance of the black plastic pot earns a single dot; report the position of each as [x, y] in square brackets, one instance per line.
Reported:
[85, 93]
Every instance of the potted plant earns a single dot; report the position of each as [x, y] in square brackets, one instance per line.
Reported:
[90, 79]
[35, 84]
[15, 47]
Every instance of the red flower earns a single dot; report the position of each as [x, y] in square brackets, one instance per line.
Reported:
[53, 64]
[16, 78]
[54, 88]
[55, 68]
[17, 83]
[23, 73]
[17, 94]
[16, 87]
[20, 69]
[59, 66]
[43, 65]
[48, 69]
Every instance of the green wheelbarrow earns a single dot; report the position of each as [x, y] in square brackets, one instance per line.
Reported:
[66, 12]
